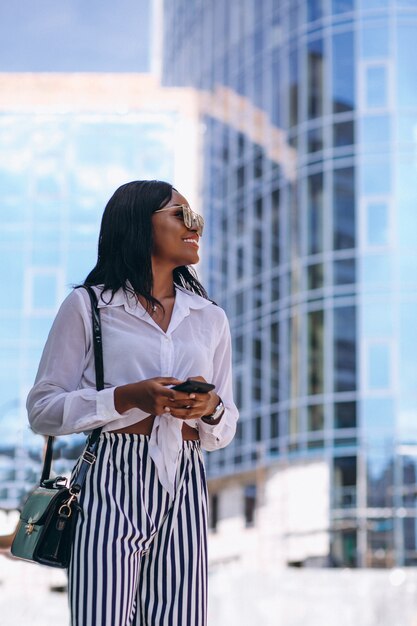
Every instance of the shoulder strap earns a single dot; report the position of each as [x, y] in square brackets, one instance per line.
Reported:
[88, 456]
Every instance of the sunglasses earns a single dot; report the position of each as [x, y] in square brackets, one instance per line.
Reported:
[192, 220]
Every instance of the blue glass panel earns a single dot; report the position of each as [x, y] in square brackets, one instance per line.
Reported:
[378, 414]
[377, 318]
[375, 129]
[376, 223]
[45, 291]
[342, 6]
[375, 41]
[373, 4]
[408, 269]
[376, 176]
[344, 208]
[376, 269]
[343, 134]
[11, 278]
[379, 366]
[314, 10]
[315, 213]
[406, 66]
[407, 127]
[344, 272]
[376, 90]
[315, 78]
[408, 347]
[345, 348]
[343, 72]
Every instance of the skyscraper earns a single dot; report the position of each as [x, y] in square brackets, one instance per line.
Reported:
[310, 115]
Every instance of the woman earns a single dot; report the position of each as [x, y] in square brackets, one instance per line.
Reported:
[139, 554]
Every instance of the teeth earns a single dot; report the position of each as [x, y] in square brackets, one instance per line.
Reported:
[191, 240]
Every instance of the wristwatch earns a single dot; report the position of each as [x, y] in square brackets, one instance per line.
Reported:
[217, 414]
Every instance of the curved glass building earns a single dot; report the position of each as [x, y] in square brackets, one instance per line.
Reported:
[310, 191]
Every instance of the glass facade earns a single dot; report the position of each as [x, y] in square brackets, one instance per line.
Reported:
[57, 171]
[310, 116]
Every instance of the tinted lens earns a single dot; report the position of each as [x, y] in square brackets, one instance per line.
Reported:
[193, 220]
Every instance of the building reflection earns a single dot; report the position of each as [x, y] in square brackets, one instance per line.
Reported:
[310, 117]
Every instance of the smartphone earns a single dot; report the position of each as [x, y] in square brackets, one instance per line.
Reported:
[193, 386]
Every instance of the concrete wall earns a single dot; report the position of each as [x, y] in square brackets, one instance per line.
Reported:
[291, 518]
[312, 597]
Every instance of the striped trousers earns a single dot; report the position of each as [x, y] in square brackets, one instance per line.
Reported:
[139, 555]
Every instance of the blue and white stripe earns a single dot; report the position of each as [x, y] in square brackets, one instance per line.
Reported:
[140, 556]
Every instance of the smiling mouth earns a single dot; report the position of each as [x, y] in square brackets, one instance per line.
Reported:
[193, 242]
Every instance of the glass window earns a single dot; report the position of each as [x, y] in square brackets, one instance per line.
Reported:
[379, 365]
[408, 350]
[315, 276]
[345, 415]
[274, 355]
[343, 134]
[376, 176]
[375, 41]
[366, 5]
[293, 91]
[380, 477]
[240, 262]
[315, 78]
[239, 302]
[258, 162]
[45, 290]
[344, 272]
[380, 534]
[343, 73]
[376, 269]
[342, 6]
[344, 208]
[214, 511]
[274, 425]
[315, 417]
[375, 129]
[249, 504]
[406, 38]
[406, 127]
[344, 482]
[377, 317]
[314, 10]
[257, 428]
[275, 211]
[344, 348]
[315, 352]
[344, 547]
[315, 140]
[377, 212]
[315, 213]
[257, 251]
[376, 86]
[378, 414]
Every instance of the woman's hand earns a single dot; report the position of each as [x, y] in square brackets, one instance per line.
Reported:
[188, 406]
[151, 395]
[155, 397]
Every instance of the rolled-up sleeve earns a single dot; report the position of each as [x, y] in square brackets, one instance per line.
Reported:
[56, 404]
[221, 434]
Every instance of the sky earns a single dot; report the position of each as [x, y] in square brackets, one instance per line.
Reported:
[75, 36]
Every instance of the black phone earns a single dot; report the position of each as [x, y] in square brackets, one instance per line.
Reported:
[193, 386]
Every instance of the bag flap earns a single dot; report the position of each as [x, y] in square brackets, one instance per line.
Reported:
[36, 506]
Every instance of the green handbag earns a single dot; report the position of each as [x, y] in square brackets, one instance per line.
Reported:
[47, 522]
[46, 526]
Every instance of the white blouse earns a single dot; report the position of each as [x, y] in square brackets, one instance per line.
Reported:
[197, 342]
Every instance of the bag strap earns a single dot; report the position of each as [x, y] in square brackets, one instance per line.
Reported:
[88, 457]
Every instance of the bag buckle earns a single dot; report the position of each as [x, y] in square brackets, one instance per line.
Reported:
[65, 509]
[89, 457]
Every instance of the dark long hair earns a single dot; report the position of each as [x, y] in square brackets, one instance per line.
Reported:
[125, 242]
